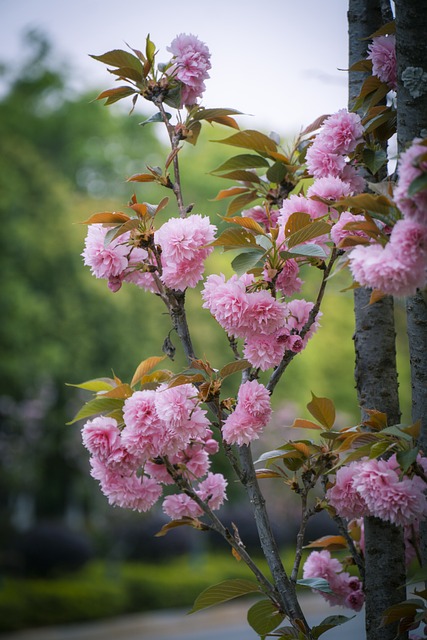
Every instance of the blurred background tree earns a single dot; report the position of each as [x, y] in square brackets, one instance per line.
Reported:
[62, 159]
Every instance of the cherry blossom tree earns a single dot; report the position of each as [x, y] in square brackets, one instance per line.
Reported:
[324, 203]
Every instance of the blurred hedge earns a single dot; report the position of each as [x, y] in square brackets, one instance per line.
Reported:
[107, 590]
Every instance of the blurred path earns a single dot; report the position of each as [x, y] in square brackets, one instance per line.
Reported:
[226, 622]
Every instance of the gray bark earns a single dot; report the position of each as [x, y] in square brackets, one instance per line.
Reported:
[376, 376]
[411, 27]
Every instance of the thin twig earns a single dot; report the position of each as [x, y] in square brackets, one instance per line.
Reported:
[289, 355]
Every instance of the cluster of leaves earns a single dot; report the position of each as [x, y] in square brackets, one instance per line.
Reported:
[110, 394]
[263, 616]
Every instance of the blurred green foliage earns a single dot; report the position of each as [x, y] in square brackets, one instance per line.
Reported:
[105, 590]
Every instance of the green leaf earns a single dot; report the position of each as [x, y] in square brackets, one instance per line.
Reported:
[111, 234]
[150, 49]
[374, 159]
[211, 114]
[124, 228]
[96, 406]
[114, 95]
[173, 97]
[323, 410]
[419, 576]
[247, 223]
[241, 201]
[245, 261]
[106, 217]
[309, 232]
[243, 161]
[157, 117]
[417, 185]
[98, 384]
[223, 592]
[185, 521]
[250, 139]
[329, 623]
[144, 367]
[309, 250]
[316, 583]
[119, 58]
[233, 367]
[263, 617]
[276, 172]
[378, 449]
[241, 176]
[234, 239]
[407, 458]
[126, 73]
[275, 454]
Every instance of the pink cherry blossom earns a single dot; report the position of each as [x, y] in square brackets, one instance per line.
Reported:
[347, 590]
[387, 496]
[180, 505]
[299, 312]
[183, 243]
[196, 460]
[241, 428]
[227, 301]
[382, 268]
[126, 491]
[330, 187]
[410, 168]
[343, 496]
[191, 64]
[144, 434]
[105, 262]
[352, 177]
[382, 52]
[408, 241]
[264, 351]
[287, 280]
[264, 314]
[321, 161]
[212, 490]
[251, 415]
[341, 132]
[101, 437]
[254, 398]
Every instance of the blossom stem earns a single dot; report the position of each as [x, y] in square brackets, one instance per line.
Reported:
[285, 587]
[289, 355]
[174, 140]
[217, 526]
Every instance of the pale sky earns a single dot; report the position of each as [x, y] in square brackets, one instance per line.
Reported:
[278, 60]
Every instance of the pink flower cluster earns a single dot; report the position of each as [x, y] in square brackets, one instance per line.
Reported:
[116, 261]
[183, 243]
[339, 136]
[268, 327]
[397, 269]
[347, 589]
[128, 462]
[374, 488]
[191, 59]
[251, 415]
[382, 52]
[412, 165]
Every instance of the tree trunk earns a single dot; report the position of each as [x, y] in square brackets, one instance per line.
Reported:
[411, 27]
[376, 376]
